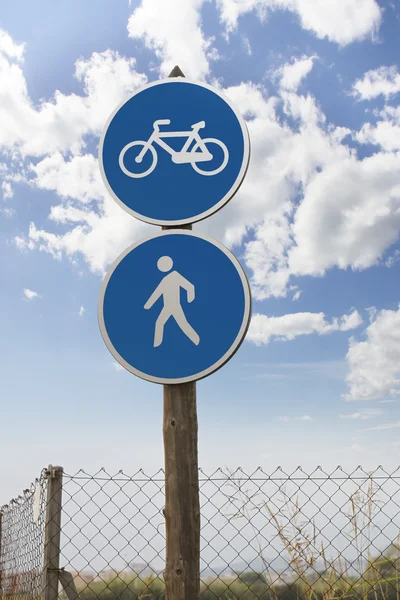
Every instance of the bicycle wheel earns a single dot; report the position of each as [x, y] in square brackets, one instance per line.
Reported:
[131, 173]
[207, 142]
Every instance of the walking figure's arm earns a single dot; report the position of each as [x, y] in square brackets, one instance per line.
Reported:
[189, 287]
[154, 297]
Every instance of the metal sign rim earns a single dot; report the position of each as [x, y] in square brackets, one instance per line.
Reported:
[228, 196]
[224, 359]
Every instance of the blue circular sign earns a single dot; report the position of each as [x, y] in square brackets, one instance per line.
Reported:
[175, 307]
[175, 152]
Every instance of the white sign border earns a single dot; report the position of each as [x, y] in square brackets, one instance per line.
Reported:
[224, 359]
[234, 188]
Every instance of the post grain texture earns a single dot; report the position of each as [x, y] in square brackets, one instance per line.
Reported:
[182, 506]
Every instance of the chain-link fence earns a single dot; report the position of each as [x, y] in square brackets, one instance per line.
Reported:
[22, 529]
[277, 536]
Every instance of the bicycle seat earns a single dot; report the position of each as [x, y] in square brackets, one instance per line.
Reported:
[199, 125]
[161, 122]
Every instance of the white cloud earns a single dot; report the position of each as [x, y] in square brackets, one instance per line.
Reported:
[281, 159]
[292, 74]
[386, 132]
[384, 81]
[393, 259]
[341, 22]
[117, 366]
[363, 415]
[391, 112]
[375, 363]
[77, 178]
[308, 235]
[62, 124]
[9, 212]
[59, 126]
[10, 48]
[91, 232]
[82, 311]
[292, 221]
[263, 329]
[173, 30]
[385, 427]
[30, 294]
[7, 190]
[366, 198]
[296, 295]
[247, 45]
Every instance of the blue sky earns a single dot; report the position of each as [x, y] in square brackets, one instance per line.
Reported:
[315, 225]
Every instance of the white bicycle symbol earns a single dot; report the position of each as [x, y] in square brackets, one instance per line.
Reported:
[198, 153]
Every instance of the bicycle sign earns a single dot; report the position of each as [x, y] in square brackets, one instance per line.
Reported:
[195, 149]
[175, 152]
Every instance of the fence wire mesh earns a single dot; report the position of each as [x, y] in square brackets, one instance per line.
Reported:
[22, 525]
[277, 536]
[298, 535]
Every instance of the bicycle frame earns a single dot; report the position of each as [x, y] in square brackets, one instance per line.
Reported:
[182, 155]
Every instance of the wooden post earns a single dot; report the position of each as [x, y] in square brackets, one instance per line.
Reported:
[51, 564]
[1, 560]
[182, 504]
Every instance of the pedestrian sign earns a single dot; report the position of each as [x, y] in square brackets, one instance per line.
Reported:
[174, 153]
[175, 307]
[169, 289]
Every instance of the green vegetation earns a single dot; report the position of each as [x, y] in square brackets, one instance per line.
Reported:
[327, 585]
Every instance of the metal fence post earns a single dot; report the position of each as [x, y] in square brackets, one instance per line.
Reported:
[51, 563]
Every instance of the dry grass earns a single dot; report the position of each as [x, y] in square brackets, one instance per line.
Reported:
[375, 578]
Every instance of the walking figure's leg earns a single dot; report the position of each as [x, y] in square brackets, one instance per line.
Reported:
[187, 329]
[159, 329]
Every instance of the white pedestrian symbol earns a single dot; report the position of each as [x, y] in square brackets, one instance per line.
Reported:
[198, 153]
[170, 287]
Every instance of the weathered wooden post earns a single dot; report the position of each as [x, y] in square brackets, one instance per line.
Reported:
[182, 506]
[52, 533]
[1, 560]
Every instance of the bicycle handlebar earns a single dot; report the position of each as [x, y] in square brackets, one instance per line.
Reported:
[162, 122]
